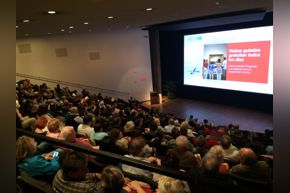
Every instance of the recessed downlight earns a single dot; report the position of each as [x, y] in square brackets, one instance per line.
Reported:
[71, 27]
[51, 12]
[62, 30]
[86, 23]
[17, 26]
[110, 17]
[149, 9]
[26, 20]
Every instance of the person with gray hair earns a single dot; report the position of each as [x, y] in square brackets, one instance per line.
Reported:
[209, 179]
[170, 185]
[68, 134]
[186, 157]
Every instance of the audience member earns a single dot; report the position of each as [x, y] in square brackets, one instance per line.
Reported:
[39, 166]
[73, 177]
[186, 157]
[170, 185]
[209, 179]
[78, 111]
[231, 152]
[53, 127]
[112, 181]
[86, 128]
[250, 168]
[137, 151]
[98, 135]
[168, 128]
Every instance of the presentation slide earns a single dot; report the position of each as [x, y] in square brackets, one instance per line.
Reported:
[236, 60]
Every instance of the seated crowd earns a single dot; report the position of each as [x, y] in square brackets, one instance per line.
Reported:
[216, 157]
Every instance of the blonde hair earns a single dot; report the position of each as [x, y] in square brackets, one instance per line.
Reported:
[170, 185]
[218, 151]
[25, 147]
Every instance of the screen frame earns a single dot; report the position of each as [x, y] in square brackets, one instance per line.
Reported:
[224, 28]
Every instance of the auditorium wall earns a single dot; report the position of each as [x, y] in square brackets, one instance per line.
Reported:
[112, 60]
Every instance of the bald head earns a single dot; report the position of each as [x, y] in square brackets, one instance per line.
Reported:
[247, 156]
[68, 133]
[182, 141]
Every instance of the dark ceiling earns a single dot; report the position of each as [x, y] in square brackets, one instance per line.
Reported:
[128, 14]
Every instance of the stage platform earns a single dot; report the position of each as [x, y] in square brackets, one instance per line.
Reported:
[218, 114]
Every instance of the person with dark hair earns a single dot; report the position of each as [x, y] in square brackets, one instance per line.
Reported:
[73, 177]
[86, 128]
[224, 66]
[98, 135]
[219, 69]
[174, 133]
[200, 146]
[231, 152]
[205, 69]
[137, 148]
[112, 181]
[24, 122]
[115, 143]
[211, 68]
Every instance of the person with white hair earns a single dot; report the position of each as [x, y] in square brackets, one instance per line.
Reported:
[68, 133]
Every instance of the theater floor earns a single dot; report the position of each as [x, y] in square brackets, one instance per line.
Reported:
[218, 114]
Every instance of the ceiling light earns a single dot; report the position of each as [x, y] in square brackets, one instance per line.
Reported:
[71, 27]
[51, 12]
[217, 3]
[149, 9]
[17, 26]
[26, 20]
[86, 23]
[62, 30]
[110, 17]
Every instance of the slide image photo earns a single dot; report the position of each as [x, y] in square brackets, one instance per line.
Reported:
[214, 62]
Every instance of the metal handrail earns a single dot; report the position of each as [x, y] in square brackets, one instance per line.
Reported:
[120, 94]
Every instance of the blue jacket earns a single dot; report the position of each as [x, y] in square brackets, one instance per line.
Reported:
[38, 166]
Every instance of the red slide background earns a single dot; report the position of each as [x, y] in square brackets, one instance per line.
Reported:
[252, 69]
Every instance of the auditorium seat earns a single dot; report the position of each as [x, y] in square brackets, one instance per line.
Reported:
[28, 184]
[246, 185]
